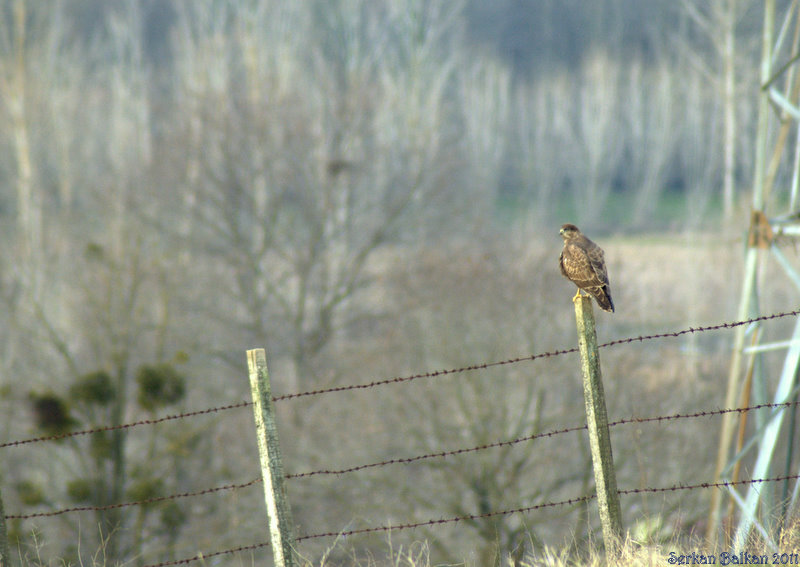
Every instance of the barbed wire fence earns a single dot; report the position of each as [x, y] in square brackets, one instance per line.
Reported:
[423, 457]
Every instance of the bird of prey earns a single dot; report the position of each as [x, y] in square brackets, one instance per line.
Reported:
[583, 264]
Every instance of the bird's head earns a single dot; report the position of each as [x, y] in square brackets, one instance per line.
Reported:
[569, 231]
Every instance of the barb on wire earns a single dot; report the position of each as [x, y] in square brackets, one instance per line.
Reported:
[134, 503]
[531, 357]
[433, 374]
[125, 425]
[704, 413]
[439, 454]
[718, 327]
[720, 484]
[204, 556]
[452, 520]
[552, 433]
[576, 500]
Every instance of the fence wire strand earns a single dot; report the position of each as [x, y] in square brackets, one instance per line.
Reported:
[135, 503]
[456, 519]
[485, 365]
[409, 460]
[533, 437]
[203, 556]
[125, 425]
[401, 379]
[673, 488]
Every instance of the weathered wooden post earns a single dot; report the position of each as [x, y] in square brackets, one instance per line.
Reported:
[281, 525]
[5, 555]
[605, 477]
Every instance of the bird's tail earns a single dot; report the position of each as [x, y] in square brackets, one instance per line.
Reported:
[603, 297]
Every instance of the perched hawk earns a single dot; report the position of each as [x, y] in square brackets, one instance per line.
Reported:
[582, 262]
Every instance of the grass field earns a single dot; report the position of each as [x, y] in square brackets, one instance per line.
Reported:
[633, 554]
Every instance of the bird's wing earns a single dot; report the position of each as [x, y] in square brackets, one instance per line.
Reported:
[595, 256]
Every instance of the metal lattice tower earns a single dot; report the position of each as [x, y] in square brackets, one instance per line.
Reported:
[777, 152]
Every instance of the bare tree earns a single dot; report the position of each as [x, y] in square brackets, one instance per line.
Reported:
[84, 281]
[312, 155]
[652, 125]
[698, 158]
[544, 140]
[570, 140]
[718, 22]
[598, 140]
[486, 90]
[15, 42]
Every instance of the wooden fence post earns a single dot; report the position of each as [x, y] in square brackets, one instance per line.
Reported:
[281, 525]
[605, 477]
[5, 555]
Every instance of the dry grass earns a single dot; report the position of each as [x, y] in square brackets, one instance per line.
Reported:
[418, 554]
[632, 554]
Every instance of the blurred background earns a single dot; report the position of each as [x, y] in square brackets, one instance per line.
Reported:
[366, 189]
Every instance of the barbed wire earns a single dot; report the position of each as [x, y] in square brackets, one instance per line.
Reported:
[532, 437]
[439, 454]
[690, 330]
[485, 365]
[135, 503]
[407, 460]
[450, 520]
[432, 374]
[456, 519]
[704, 413]
[125, 425]
[201, 556]
[204, 556]
[719, 484]
[401, 379]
